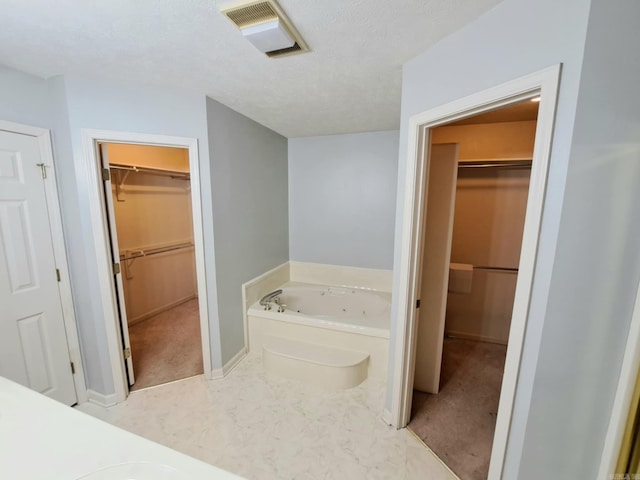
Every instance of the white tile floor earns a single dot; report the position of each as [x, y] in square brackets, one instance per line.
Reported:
[263, 427]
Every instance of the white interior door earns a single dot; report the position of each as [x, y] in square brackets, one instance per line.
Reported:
[115, 255]
[436, 256]
[33, 342]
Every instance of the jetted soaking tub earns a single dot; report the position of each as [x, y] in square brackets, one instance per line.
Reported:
[333, 316]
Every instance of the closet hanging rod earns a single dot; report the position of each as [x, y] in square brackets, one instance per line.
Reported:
[496, 164]
[155, 251]
[155, 171]
[501, 269]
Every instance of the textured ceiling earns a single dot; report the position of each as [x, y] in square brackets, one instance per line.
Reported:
[349, 82]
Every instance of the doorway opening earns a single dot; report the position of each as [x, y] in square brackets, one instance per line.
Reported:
[147, 195]
[107, 257]
[407, 286]
[475, 209]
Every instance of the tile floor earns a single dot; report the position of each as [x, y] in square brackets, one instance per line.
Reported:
[263, 427]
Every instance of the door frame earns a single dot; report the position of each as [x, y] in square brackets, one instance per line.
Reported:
[543, 83]
[43, 136]
[99, 222]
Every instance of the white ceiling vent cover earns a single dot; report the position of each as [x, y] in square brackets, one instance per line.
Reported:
[266, 26]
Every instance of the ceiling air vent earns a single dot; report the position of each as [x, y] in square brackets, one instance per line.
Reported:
[266, 26]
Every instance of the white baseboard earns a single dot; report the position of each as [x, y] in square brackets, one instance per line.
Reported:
[156, 311]
[101, 399]
[386, 417]
[218, 373]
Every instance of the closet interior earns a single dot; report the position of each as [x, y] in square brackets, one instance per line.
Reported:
[151, 198]
[495, 151]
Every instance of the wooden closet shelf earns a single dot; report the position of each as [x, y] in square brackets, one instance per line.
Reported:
[523, 163]
[155, 251]
[153, 171]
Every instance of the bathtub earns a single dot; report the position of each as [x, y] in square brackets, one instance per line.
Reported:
[339, 317]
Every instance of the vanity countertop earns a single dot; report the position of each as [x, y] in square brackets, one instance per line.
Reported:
[41, 439]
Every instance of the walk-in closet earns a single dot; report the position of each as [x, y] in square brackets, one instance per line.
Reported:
[150, 216]
[455, 414]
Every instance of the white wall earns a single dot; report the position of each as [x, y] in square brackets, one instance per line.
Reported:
[514, 39]
[249, 181]
[342, 194]
[588, 265]
[34, 101]
[24, 98]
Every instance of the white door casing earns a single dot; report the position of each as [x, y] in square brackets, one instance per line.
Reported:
[88, 166]
[33, 341]
[441, 183]
[543, 83]
[115, 257]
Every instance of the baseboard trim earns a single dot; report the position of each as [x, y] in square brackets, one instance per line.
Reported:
[386, 417]
[161, 309]
[218, 373]
[101, 399]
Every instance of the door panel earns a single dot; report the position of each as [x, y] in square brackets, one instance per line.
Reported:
[18, 245]
[33, 343]
[115, 255]
[436, 255]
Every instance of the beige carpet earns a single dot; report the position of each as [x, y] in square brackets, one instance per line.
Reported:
[167, 346]
[458, 423]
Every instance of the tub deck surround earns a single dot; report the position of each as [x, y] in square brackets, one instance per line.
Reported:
[313, 273]
[346, 309]
[352, 322]
[255, 288]
[341, 275]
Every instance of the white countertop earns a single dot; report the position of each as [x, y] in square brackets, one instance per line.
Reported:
[43, 439]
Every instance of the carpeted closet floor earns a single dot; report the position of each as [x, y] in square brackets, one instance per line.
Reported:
[167, 346]
[458, 423]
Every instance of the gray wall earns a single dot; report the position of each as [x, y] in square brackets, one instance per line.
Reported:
[342, 195]
[588, 266]
[597, 263]
[249, 181]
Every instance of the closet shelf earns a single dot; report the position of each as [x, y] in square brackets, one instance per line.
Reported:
[515, 163]
[155, 251]
[498, 269]
[152, 171]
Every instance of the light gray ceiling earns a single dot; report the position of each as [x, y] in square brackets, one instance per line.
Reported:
[349, 82]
